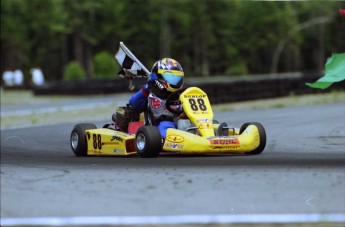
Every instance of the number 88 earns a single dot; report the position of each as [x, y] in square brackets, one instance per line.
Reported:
[194, 105]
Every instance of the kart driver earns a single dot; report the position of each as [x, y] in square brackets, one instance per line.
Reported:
[165, 78]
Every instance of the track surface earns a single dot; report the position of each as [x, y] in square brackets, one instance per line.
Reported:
[300, 171]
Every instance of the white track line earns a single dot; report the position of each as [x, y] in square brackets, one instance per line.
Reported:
[177, 219]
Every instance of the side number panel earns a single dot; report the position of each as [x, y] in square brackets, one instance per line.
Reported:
[97, 141]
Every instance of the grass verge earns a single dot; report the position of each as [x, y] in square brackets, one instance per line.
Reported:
[105, 112]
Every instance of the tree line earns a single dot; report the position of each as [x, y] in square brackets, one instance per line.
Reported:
[208, 37]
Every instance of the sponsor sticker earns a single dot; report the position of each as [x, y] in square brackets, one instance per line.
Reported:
[175, 146]
[203, 120]
[205, 126]
[97, 151]
[175, 138]
[234, 147]
[117, 138]
[228, 141]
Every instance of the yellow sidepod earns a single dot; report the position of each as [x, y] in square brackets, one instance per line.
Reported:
[185, 142]
[106, 142]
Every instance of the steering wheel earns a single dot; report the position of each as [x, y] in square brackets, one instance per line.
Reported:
[173, 100]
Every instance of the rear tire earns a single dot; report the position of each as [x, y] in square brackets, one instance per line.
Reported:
[78, 138]
[223, 129]
[148, 142]
[262, 135]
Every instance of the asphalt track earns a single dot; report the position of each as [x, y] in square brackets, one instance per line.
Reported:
[301, 171]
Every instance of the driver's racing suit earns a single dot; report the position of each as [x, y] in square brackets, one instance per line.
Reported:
[160, 116]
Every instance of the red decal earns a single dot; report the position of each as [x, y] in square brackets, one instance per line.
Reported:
[155, 103]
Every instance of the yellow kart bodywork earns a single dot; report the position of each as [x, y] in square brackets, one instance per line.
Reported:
[104, 141]
[184, 142]
[206, 136]
[108, 142]
[197, 107]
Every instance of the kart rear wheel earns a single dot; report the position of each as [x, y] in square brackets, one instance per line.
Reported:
[148, 142]
[223, 129]
[78, 138]
[262, 135]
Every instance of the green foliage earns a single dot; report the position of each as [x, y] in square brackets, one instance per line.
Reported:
[206, 37]
[240, 68]
[104, 65]
[74, 71]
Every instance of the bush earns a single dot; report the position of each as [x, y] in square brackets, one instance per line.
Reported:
[239, 68]
[104, 65]
[74, 71]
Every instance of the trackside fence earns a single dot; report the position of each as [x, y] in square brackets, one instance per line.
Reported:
[219, 89]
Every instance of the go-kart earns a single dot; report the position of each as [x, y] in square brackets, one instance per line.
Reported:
[197, 133]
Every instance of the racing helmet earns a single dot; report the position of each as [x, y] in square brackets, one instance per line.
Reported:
[169, 73]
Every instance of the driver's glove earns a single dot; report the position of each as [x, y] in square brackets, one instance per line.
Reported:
[176, 106]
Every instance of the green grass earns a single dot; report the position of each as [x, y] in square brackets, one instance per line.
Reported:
[104, 112]
[19, 97]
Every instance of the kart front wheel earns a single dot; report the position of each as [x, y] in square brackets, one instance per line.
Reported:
[148, 142]
[78, 138]
[262, 135]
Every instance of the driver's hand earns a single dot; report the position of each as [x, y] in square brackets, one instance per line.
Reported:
[177, 106]
[176, 103]
[183, 115]
[125, 74]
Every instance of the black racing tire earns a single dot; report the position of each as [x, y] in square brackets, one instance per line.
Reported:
[223, 129]
[262, 135]
[148, 142]
[78, 138]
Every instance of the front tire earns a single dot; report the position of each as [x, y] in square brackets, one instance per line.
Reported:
[148, 142]
[78, 138]
[262, 135]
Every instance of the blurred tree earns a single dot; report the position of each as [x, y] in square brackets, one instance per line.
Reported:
[222, 51]
[13, 41]
[140, 29]
[207, 37]
[258, 27]
[322, 34]
[82, 26]
[178, 24]
[91, 24]
[31, 37]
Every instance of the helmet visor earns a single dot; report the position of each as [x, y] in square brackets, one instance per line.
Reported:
[173, 77]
